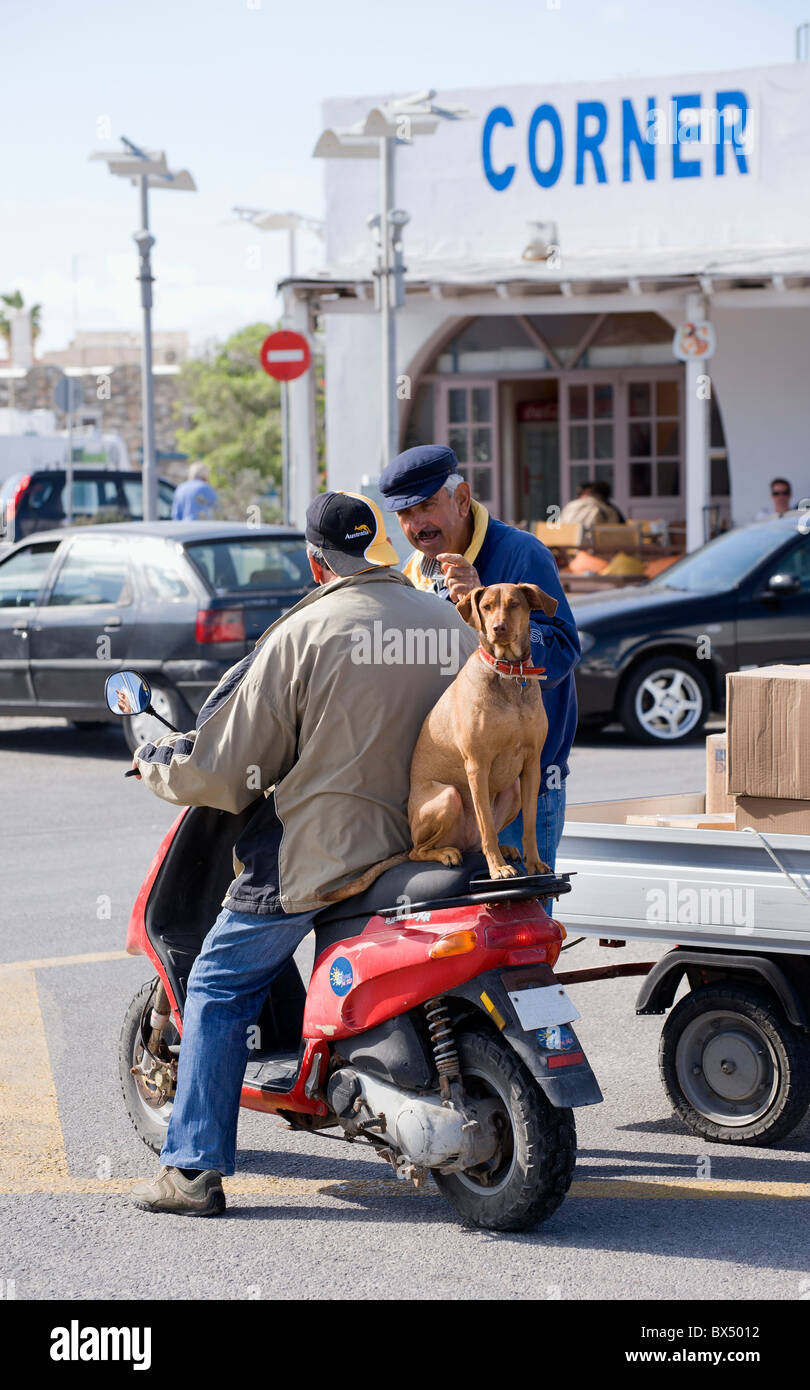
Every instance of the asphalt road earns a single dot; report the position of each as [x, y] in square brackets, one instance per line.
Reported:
[653, 1212]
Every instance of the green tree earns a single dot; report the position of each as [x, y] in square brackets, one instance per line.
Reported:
[15, 301]
[235, 421]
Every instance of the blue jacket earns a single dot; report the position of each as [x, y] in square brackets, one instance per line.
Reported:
[193, 500]
[509, 556]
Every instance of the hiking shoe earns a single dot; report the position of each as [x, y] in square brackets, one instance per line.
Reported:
[170, 1191]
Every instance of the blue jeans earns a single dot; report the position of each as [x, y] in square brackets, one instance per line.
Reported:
[550, 821]
[241, 956]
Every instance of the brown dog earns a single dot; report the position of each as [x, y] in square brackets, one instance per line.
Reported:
[476, 763]
[477, 759]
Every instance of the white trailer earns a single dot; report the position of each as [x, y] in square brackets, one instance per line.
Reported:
[733, 907]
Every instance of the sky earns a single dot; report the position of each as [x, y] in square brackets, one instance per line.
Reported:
[231, 89]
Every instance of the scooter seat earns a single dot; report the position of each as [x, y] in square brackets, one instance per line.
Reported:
[408, 882]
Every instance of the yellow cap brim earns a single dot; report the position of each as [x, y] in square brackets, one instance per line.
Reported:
[379, 551]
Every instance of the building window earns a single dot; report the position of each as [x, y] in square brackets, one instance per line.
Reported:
[654, 438]
[468, 425]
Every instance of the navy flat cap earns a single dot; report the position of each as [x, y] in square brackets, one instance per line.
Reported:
[415, 475]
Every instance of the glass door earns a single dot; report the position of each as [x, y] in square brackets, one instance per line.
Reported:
[654, 446]
[468, 424]
[590, 429]
[625, 430]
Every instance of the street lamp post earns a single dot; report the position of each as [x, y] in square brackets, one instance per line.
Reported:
[292, 223]
[376, 137]
[147, 169]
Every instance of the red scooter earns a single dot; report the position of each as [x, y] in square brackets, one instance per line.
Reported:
[432, 1029]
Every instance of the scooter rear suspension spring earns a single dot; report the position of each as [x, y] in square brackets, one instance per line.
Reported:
[441, 1037]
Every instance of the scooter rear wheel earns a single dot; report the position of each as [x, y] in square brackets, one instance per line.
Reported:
[528, 1178]
[150, 1122]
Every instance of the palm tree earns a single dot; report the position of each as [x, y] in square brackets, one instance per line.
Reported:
[15, 301]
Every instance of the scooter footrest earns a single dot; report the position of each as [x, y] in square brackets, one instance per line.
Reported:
[277, 1072]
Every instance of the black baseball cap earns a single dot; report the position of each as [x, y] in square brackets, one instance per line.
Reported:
[415, 475]
[349, 531]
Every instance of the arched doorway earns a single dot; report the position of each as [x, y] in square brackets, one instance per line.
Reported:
[534, 405]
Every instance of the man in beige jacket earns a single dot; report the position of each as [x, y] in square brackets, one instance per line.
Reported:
[321, 720]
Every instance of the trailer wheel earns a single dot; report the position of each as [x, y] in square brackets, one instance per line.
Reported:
[734, 1068]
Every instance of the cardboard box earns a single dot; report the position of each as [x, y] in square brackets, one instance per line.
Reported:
[717, 797]
[700, 821]
[768, 732]
[777, 814]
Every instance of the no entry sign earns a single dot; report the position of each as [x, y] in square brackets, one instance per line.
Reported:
[285, 355]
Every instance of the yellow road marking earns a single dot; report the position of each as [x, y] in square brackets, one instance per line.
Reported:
[33, 1159]
[13, 965]
[259, 1185]
[33, 1149]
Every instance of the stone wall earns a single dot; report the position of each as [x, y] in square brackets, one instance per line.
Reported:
[116, 394]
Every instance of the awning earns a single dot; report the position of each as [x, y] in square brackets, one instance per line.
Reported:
[634, 270]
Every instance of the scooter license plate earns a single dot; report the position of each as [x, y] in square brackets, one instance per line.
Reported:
[548, 1004]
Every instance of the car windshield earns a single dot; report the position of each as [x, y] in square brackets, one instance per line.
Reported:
[725, 561]
[255, 562]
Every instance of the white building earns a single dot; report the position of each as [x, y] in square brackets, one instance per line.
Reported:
[660, 201]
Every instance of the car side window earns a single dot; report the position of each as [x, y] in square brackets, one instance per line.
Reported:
[21, 575]
[44, 497]
[94, 572]
[797, 561]
[165, 499]
[158, 567]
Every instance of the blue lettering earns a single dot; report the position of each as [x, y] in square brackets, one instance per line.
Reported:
[685, 133]
[499, 115]
[546, 177]
[633, 138]
[589, 144]
[736, 126]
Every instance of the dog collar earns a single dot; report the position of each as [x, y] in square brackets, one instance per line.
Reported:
[516, 670]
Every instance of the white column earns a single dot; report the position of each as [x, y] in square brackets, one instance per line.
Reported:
[390, 418]
[696, 430]
[303, 466]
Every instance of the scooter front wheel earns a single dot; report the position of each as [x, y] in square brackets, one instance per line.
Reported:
[527, 1179]
[151, 1120]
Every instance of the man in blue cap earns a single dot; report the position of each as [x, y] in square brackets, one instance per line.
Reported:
[457, 547]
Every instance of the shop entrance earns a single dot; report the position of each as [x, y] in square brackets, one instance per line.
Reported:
[536, 405]
[538, 450]
[623, 428]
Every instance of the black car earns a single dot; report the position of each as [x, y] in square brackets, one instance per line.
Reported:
[655, 657]
[35, 501]
[180, 601]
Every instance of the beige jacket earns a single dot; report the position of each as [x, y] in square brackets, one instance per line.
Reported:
[589, 511]
[326, 712]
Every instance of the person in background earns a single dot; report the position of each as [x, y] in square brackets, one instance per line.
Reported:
[601, 491]
[459, 546]
[195, 499]
[588, 509]
[780, 501]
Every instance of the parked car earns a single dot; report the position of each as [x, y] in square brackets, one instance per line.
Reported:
[180, 601]
[655, 657]
[35, 501]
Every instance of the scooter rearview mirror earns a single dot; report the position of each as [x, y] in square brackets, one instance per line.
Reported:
[128, 693]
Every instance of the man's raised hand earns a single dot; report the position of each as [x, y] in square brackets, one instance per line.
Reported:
[461, 576]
